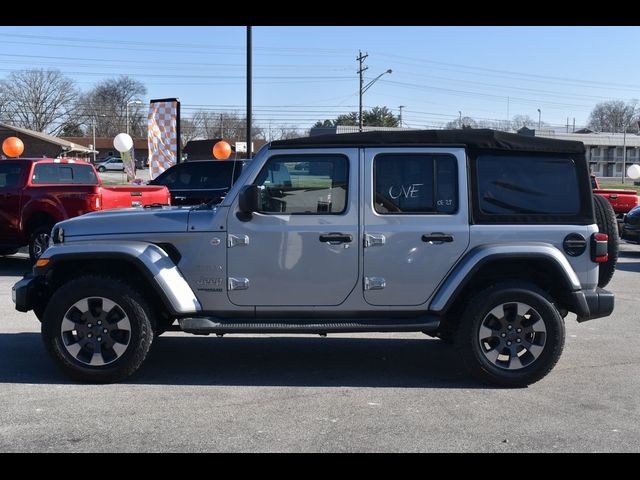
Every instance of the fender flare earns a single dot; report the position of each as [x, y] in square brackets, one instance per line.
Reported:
[463, 272]
[147, 258]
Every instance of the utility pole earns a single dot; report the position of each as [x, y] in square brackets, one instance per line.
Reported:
[401, 107]
[249, 92]
[221, 127]
[508, 121]
[460, 113]
[361, 70]
[624, 151]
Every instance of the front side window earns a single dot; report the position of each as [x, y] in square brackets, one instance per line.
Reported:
[526, 185]
[304, 184]
[415, 184]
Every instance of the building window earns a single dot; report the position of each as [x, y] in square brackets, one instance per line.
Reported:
[619, 167]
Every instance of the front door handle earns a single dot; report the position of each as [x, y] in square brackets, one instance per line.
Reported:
[336, 238]
[437, 237]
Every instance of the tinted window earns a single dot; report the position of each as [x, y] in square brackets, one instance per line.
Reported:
[527, 185]
[9, 175]
[67, 173]
[417, 184]
[196, 175]
[304, 184]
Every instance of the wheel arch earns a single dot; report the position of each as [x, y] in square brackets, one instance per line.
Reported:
[541, 264]
[146, 265]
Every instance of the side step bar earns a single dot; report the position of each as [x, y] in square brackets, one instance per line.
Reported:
[208, 325]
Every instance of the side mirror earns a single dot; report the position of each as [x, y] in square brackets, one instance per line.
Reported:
[249, 200]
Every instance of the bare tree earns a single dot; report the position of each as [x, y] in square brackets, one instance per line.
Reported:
[223, 125]
[188, 130]
[287, 132]
[464, 122]
[106, 104]
[519, 121]
[614, 116]
[38, 99]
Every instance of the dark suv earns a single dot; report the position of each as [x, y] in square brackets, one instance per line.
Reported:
[196, 182]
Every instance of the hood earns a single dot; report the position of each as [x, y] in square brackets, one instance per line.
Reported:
[128, 221]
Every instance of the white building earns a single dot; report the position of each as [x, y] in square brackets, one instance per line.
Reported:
[604, 151]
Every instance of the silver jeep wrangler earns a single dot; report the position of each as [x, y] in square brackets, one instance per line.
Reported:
[482, 238]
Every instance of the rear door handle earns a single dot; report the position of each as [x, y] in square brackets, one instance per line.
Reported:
[437, 237]
[336, 238]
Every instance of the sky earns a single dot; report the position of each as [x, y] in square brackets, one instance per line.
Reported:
[305, 74]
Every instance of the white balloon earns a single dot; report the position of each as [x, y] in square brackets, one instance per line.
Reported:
[633, 172]
[123, 142]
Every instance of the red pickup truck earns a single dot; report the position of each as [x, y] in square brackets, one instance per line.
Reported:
[37, 193]
[622, 201]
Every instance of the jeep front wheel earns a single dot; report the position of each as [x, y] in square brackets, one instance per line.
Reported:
[510, 336]
[97, 329]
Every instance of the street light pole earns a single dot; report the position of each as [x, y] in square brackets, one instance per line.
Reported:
[539, 118]
[460, 113]
[367, 87]
[131, 102]
[401, 107]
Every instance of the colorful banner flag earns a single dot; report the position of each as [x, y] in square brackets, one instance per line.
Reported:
[163, 135]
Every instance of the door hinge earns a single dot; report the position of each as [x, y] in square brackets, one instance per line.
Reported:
[374, 283]
[238, 283]
[374, 240]
[237, 240]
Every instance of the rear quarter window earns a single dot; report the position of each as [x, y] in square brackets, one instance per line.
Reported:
[63, 174]
[527, 185]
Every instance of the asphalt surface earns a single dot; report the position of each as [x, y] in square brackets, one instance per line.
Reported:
[344, 393]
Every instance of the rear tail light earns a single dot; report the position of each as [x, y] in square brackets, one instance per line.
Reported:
[599, 247]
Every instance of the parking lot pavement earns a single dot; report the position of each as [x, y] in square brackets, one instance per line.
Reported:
[382, 392]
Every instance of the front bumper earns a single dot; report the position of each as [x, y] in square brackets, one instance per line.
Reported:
[26, 292]
[592, 304]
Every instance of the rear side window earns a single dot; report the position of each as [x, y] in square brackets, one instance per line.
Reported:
[527, 185]
[415, 184]
[63, 174]
[9, 175]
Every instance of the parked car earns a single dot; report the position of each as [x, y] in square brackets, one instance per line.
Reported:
[199, 181]
[631, 226]
[622, 201]
[37, 193]
[485, 238]
[111, 163]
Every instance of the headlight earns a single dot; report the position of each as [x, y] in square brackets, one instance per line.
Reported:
[57, 235]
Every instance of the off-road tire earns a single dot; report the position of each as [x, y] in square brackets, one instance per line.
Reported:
[127, 298]
[607, 223]
[475, 356]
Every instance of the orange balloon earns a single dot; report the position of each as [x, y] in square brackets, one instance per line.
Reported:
[12, 147]
[221, 150]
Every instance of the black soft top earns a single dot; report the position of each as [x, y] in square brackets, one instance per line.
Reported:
[474, 140]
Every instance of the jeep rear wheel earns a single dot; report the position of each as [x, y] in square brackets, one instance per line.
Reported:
[510, 336]
[97, 329]
[607, 223]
